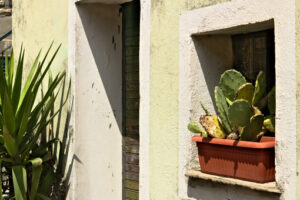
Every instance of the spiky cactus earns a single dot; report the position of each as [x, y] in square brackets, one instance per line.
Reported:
[222, 109]
[237, 105]
[251, 131]
[230, 81]
[239, 113]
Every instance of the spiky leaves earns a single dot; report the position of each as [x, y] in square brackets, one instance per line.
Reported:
[222, 109]
[230, 82]
[250, 132]
[23, 118]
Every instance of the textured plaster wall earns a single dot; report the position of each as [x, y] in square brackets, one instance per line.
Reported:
[164, 94]
[36, 25]
[98, 102]
[164, 108]
[298, 92]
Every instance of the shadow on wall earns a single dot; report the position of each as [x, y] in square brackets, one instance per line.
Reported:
[105, 42]
[214, 55]
[205, 190]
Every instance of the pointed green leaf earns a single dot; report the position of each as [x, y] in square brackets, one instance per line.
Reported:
[10, 143]
[19, 182]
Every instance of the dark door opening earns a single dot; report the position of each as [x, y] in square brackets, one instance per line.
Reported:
[131, 99]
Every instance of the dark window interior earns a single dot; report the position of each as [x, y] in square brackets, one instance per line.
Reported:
[254, 52]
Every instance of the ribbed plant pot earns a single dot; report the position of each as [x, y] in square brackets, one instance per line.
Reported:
[251, 161]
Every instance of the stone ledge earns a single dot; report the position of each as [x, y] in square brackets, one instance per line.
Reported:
[5, 11]
[265, 187]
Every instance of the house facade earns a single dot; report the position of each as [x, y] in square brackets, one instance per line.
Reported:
[138, 71]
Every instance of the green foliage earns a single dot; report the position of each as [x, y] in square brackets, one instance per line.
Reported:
[245, 92]
[269, 124]
[231, 80]
[260, 88]
[222, 109]
[238, 104]
[250, 132]
[239, 113]
[194, 128]
[205, 109]
[24, 119]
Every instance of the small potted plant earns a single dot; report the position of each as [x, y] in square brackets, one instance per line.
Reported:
[232, 143]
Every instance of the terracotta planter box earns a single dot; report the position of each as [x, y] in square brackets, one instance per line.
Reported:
[251, 161]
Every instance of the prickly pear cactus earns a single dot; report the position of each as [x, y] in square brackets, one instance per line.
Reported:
[230, 82]
[222, 109]
[205, 109]
[212, 126]
[239, 113]
[272, 101]
[194, 128]
[251, 132]
[260, 88]
[269, 124]
[245, 92]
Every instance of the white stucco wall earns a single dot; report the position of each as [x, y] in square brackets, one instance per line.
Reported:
[220, 19]
[96, 62]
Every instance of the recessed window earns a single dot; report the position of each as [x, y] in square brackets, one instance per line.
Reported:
[254, 52]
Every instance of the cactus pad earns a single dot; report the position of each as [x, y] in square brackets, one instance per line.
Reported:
[230, 82]
[239, 113]
[269, 124]
[260, 88]
[253, 130]
[222, 109]
[212, 126]
[272, 101]
[246, 92]
[194, 128]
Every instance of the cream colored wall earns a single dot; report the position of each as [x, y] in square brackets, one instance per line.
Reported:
[164, 95]
[36, 25]
[164, 103]
[298, 92]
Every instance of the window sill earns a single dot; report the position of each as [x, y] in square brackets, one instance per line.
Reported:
[266, 187]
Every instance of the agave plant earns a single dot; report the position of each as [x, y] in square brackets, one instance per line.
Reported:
[239, 107]
[24, 116]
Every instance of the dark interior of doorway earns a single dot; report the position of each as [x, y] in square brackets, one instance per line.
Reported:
[131, 99]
